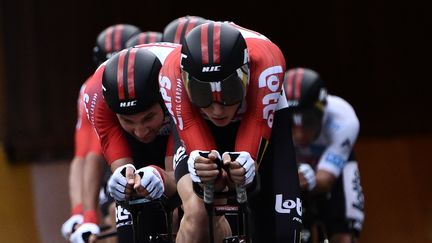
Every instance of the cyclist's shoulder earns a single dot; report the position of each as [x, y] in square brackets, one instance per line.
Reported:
[172, 60]
[339, 108]
[249, 34]
[340, 117]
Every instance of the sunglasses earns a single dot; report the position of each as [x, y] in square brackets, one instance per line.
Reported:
[308, 117]
[229, 91]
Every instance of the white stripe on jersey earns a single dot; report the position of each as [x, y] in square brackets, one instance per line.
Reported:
[160, 49]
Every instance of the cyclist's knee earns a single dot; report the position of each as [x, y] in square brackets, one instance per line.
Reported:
[196, 217]
[222, 225]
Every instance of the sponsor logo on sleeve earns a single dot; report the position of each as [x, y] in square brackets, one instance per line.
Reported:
[165, 87]
[269, 78]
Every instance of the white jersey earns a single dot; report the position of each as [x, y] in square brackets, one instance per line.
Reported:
[331, 150]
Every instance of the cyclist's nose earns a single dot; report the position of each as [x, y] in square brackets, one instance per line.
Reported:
[141, 131]
[298, 133]
[217, 109]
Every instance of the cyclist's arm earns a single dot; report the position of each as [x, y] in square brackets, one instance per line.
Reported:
[120, 162]
[93, 171]
[81, 148]
[267, 65]
[191, 127]
[168, 174]
[112, 141]
[75, 181]
[336, 155]
[324, 181]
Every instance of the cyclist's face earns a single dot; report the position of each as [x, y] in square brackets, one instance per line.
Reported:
[220, 115]
[306, 127]
[144, 126]
[304, 136]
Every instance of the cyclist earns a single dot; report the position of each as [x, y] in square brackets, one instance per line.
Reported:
[144, 38]
[86, 168]
[221, 88]
[325, 129]
[126, 109]
[177, 29]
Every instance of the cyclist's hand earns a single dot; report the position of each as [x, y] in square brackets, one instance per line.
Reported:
[120, 184]
[83, 232]
[202, 165]
[149, 182]
[306, 176]
[241, 167]
[68, 227]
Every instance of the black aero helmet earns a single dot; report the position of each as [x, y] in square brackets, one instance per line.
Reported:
[214, 64]
[304, 88]
[130, 81]
[144, 38]
[177, 29]
[306, 95]
[112, 40]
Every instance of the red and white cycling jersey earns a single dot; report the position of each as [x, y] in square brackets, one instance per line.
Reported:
[86, 139]
[267, 67]
[112, 137]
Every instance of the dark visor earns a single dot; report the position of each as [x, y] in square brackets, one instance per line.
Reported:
[229, 91]
[307, 117]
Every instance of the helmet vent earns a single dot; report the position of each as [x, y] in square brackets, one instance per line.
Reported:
[126, 76]
[210, 43]
[293, 84]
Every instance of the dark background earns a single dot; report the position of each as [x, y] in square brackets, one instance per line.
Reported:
[375, 54]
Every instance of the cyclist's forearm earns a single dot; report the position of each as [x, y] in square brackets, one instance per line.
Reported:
[324, 181]
[120, 162]
[169, 183]
[75, 181]
[93, 171]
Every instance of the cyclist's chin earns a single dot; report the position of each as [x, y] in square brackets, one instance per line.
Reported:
[220, 122]
[302, 143]
[147, 139]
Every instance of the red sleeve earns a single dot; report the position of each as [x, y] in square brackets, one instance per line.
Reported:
[193, 130]
[86, 139]
[105, 122]
[267, 67]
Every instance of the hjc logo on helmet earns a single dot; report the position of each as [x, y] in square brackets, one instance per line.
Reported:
[128, 103]
[211, 69]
